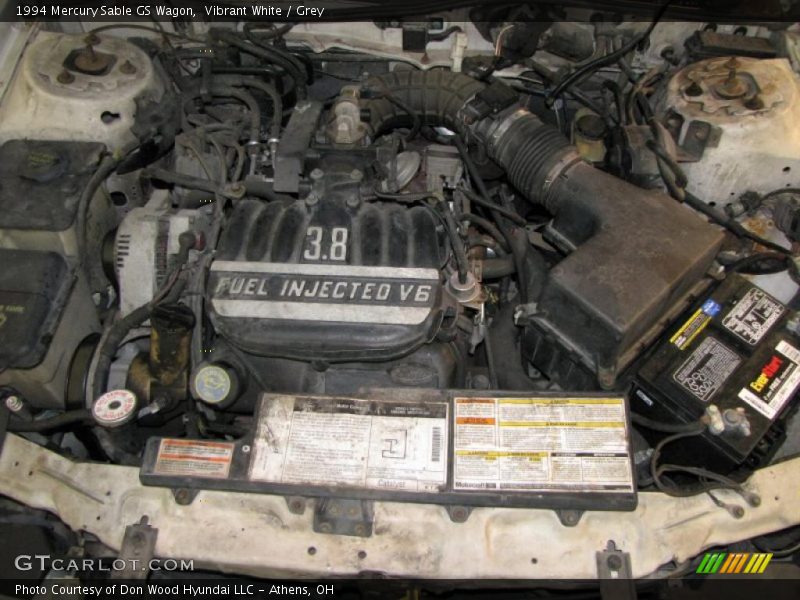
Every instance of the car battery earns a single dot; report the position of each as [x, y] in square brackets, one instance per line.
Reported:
[733, 350]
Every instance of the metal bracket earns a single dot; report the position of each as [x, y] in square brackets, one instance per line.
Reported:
[699, 135]
[614, 573]
[138, 547]
[296, 140]
[344, 516]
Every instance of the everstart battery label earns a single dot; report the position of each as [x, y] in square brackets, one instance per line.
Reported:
[776, 383]
[541, 444]
[194, 458]
[371, 444]
[753, 316]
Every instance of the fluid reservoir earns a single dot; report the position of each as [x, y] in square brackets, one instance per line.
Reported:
[738, 126]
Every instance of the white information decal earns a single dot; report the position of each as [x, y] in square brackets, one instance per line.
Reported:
[531, 444]
[753, 316]
[373, 444]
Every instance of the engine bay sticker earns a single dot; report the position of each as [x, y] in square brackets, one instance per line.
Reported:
[707, 368]
[384, 445]
[776, 383]
[194, 458]
[541, 444]
[696, 323]
[753, 316]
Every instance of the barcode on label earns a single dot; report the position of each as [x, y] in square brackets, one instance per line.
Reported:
[436, 444]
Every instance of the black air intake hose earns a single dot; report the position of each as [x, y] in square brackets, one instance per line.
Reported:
[532, 153]
[435, 96]
[529, 151]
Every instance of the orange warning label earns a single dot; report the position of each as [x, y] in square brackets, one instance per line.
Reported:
[195, 458]
[475, 421]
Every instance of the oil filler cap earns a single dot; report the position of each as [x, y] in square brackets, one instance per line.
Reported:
[114, 408]
[215, 384]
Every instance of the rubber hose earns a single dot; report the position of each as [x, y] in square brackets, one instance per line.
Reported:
[458, 246]
[530, 149]
[530, 152]
[184, 181]
[269, 90]
[488, 227]
[65, 419]
[242, 96]
[494, 268]
[104, 169]
[434, 96]
[268, 55]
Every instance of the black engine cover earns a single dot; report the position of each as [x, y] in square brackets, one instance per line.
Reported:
[328, 281]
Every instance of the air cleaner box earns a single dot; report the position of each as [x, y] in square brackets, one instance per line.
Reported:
[733, 350]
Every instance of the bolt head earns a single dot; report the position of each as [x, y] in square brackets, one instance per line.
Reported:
[65, 77]
[480, 382]
[128, 68]
[459, 514]
[14, 403]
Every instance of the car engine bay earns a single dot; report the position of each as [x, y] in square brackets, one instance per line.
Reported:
[476, 262]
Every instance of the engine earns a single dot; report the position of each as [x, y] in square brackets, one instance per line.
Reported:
[334, 282]
[329, 283]
[251, 230]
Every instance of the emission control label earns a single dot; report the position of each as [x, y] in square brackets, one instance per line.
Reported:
[707, 368]
[753, 316]
[776, 383]
[194, 458]
[372, 444]
[541, 444]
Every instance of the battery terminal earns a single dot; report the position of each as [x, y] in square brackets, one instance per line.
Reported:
[714, 420]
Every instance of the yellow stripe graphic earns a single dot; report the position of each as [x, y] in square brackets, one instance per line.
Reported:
[759, 563]
[767, 558]
[753, 564]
